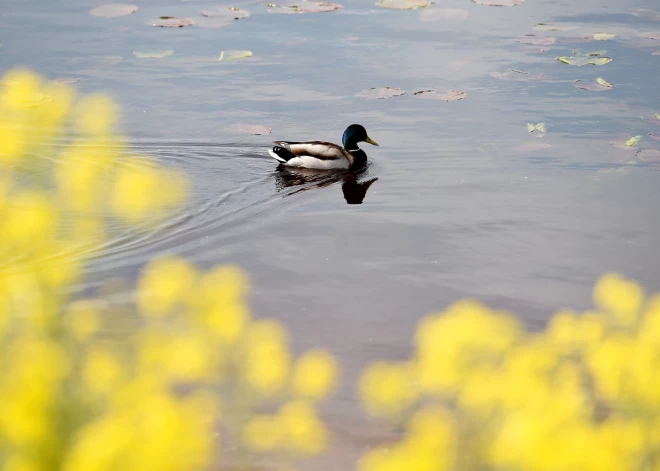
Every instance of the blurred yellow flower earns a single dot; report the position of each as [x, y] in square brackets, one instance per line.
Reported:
[262, 433]
[315, 374]
[267, 358]
[164, 285]
[83, 319]
[302, 431]
[387, 389]
[622, 298]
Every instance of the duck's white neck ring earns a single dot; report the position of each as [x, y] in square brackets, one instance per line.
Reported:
[353, 150]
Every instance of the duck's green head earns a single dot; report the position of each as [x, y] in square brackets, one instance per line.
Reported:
[354, 134]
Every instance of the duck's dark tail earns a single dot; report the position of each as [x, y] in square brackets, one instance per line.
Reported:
[281, 154]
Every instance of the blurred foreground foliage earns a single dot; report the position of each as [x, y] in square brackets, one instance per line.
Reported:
[197, 376]
[481, 393]
[194, 372]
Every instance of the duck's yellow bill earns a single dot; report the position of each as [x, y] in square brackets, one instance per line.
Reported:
[371, 141]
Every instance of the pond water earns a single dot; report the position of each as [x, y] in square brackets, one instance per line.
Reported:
[459, 200]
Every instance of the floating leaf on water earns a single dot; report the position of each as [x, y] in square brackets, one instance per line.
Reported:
[540, 127]
[604, 82]
[657, 115]
[256, 129]
[592, 86]
[153, 54]
[651, 156]
[304, 6]
[593, 58]
[113, 10]
[381, 93]
[226, 13]
[499, 3]
[537, 41]
[67, 80]
[653, 35]
[234, 55]
[171, 22]
[603, 36]
[403, 4]
[211, 23]
[531, 146]
[552, 27]
[452, 95]
[648, 15]
[520, 76]
[444, 14]
[633, 141]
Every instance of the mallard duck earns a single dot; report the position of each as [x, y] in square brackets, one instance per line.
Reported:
[324, 155]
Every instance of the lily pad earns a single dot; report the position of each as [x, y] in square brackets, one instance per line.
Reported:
[538, 41]
[113, 10]
[633, 141]
[651, 156]
[234, 55]
[67, 80]
[152, 54]
[599, 85]
[381, 93]
[211, 23]
[171, 22]
[653, 35]
[552, 27]
[304, 6]
[403, 4]
[540, 127]
[444, 14]
[520, 76]
[657, 115]
[451, 95]
[579, 59]
[602, 36]
[226, 13]
[499, 3]
[256, 129]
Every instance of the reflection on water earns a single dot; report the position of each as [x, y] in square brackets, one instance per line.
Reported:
[354, 183]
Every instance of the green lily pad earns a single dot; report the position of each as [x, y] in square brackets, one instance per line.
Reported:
[304, 6]
[657, 115]
[153, 54]
[595, 86]
[604, 83]
[451, 95]
[579, 59]
[444, 14]
[381, 93]
[234, 55]
[403, 4]
[540, 127]
[499, 3]
[113, 10]
[171, 22]
[552, 27]
[633, 141]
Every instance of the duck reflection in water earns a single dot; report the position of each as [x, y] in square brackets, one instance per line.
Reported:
[353, 188]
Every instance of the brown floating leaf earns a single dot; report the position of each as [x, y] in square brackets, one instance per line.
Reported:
[595, 86]
[537, 41]
[256, 129]
[113, 10]
[651, 156]
[226, 13]
[304, 6]
[403, 4]
[653, 35]
[381, 93]
[444, 14]
[499, 3]
[520, 76]
[66, 80]
[171, 22]
[451, 95]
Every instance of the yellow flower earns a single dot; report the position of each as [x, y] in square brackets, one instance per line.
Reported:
[266, 358]
[315, 374]
[620, 297]
[102, 370]
[83, 319]
[303, 431]
[262, 433]
[165, 283]
[387, 388]
[97, 114]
